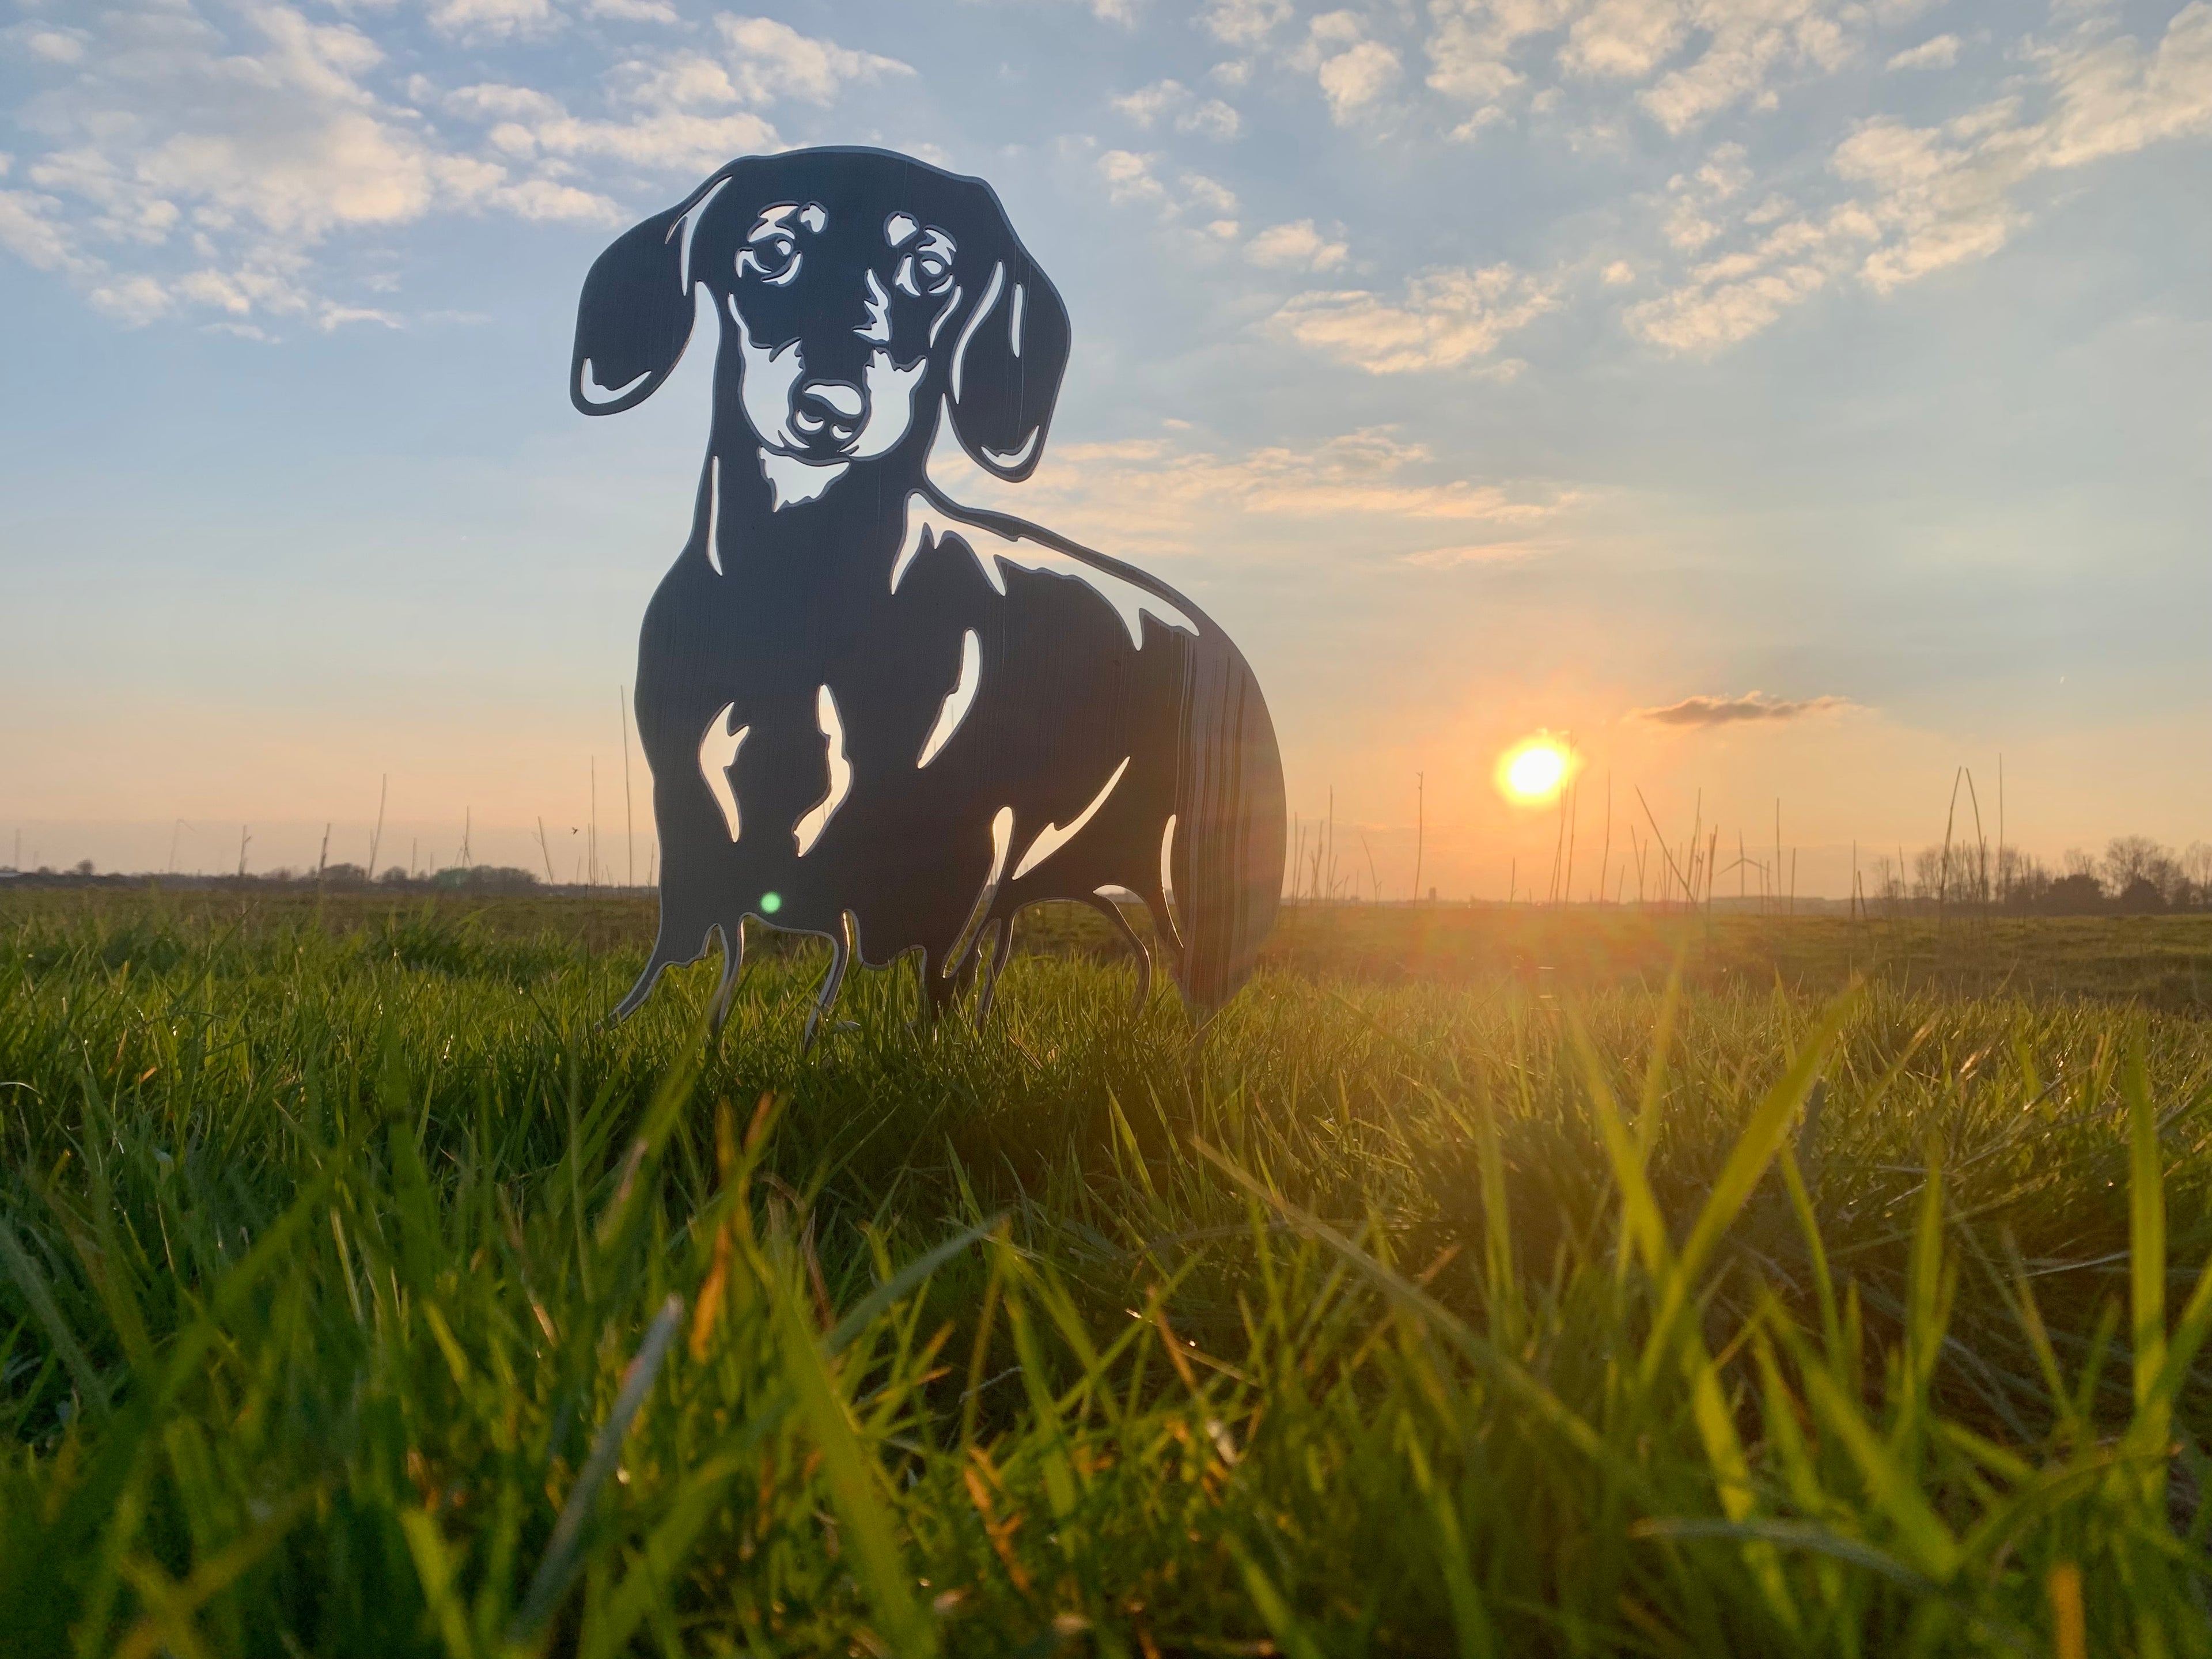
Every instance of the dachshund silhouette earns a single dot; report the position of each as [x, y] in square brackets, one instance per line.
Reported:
[870, 713]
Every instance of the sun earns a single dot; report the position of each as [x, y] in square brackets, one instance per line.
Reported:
[1533, 769]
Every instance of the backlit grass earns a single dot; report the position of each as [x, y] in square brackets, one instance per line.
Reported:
[359, 1293]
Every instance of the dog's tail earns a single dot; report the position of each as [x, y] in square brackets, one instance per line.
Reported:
[1224, 859]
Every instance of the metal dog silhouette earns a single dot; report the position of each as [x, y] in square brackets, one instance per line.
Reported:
[872, 714]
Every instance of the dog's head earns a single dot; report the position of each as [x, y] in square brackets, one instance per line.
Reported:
[858, 287]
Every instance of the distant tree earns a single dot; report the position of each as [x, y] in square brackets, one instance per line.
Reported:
[2131, 859]
[2026, 879]
[1956, 874]
[2076, 862]
[2140, 898]
[2196, 877]
[486, 879]
[345, 875]
[83, 867]
[393, 877]
[2075, 894]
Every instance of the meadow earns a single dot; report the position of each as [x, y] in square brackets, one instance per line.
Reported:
[1479, 1282]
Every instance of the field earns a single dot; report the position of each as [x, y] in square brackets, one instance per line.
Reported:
[1464, 1288]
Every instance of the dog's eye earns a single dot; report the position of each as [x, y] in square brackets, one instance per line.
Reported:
[926, 272]
[776, 258]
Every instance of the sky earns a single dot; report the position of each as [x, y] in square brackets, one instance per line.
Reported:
[1788, 403]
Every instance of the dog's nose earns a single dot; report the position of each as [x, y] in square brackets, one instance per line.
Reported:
[827, 414]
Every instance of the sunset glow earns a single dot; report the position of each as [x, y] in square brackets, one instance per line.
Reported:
[1532, 771]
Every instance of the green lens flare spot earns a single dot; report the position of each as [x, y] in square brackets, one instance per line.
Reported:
[770, 903]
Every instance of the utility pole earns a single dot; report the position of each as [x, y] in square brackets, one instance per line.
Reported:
[1420, 826]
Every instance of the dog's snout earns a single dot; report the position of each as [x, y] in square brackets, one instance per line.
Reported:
[827, 414]
[846, 400]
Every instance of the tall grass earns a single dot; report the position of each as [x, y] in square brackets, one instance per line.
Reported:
[363, 1294]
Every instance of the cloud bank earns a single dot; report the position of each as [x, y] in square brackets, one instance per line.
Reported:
[1727, 711]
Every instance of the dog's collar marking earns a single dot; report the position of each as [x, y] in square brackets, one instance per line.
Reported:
[792, 483]
[993, 548]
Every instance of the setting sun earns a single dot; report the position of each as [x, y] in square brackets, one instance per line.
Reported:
[1533, 769]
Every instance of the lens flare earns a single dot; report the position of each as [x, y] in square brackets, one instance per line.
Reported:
[1533, 770]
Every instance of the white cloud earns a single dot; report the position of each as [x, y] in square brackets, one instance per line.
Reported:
[1354, 71]
[496, 19]
[1157, 493]
[1447, 320]
[29, 230]
[331, 317]
[492, 101]
[1132, 179]
[1726, 301]
[133, 301]
[174, 119]
[1744, 48]
[1173, 101]
[771, 61]
[1470, 51]
[1245, 22]
[544, 200]
[1452, 558]
[1148, 104]
[1941, 52]
[57, 45]
[1706, 55]
[632, 11]
[1625, 40]
[1211, 117]
[663, 139]
[1922, 199]
[1297, 245]
[201, 154]
[1356, 78]
[1129, 178]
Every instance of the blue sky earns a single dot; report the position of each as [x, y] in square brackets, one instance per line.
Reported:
[1485, 366]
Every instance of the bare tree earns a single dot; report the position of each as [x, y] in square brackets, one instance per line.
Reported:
[2197, 863]
[2131, 859]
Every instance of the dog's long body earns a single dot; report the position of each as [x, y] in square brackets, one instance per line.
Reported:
[870, 713]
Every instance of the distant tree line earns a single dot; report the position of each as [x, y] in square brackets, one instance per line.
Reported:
[483, 878]
[2134, 876]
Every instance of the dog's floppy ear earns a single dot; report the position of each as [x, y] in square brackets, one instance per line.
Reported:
[635, 317]
[1007, 363]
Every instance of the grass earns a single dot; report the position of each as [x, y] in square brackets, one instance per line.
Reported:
[360, 1293]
